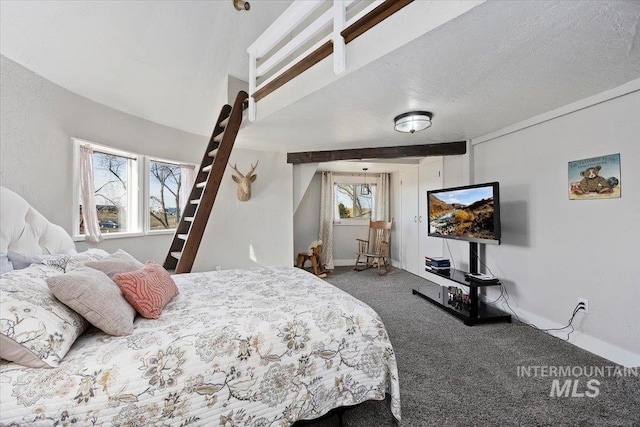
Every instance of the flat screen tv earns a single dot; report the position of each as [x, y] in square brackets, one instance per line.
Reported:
[469, 213]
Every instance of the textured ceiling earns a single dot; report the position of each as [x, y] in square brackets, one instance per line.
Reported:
[167, 61]
[500, 63]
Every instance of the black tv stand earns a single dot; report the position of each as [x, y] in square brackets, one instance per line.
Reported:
[471, 312]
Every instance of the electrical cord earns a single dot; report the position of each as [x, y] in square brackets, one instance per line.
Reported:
[481, 262]
[578, 307]
[453, 262]
[575, 311]
[569, 325]
[504, 294]
[499, 296]
[502, 288]
[506, 301]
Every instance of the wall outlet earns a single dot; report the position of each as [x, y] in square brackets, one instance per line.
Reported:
[218, 267]
[585, 304]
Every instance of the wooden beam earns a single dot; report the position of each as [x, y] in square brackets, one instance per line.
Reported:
[316, 56]
[424, 150]
[373, 18]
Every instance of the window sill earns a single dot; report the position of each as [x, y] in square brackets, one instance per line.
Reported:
[108, 236]
[353, 222]
[160, 232]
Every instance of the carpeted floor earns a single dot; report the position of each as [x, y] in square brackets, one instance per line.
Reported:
[455, 375]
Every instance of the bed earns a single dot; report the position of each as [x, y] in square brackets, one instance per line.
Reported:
[260, 347]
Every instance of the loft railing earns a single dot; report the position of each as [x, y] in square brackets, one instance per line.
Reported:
[306, 33]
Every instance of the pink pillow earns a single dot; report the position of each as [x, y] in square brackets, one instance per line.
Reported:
[148, 290]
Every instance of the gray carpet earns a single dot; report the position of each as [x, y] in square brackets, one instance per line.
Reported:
[455, 375]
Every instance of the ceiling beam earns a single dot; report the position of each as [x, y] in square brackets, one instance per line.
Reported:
[424, 150]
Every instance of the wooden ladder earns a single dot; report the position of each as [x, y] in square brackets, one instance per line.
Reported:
[195, 215]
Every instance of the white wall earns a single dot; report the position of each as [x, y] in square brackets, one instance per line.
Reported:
[344, 242]
[255, 232]
[555, 250]
[306, 221]
[37, 121]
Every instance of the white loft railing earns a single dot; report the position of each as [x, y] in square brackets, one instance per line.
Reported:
[309, 25]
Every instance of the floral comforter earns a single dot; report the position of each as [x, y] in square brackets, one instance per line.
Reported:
[259, 347]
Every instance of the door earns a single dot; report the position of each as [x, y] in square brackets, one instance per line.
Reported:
[430, 178]
[410, 248]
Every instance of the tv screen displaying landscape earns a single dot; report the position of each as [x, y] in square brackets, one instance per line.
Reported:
[465, 213]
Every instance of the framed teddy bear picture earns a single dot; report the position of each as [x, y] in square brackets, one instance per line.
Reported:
[595, 178]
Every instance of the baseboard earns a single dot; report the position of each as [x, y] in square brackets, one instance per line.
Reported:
[593, 345]
[344, 262]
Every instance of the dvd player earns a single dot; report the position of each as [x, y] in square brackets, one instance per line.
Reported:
[481, 277]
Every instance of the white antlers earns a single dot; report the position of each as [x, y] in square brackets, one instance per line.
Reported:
[244, 182]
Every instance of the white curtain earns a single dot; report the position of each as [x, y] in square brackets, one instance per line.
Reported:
[87, 196]
[381, 209]
[187, 177]
[326, 220]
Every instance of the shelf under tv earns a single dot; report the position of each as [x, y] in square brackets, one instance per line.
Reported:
[476, 311]
[479, 312]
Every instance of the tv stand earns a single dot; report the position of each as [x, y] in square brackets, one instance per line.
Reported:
[471, 312]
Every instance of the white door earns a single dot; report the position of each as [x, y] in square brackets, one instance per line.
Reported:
[430, 174]
[410, 245]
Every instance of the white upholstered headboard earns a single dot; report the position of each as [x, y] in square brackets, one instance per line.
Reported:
[24, 229]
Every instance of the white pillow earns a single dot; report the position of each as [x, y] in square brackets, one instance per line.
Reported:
[36, 329]
[67, 261]
[20, 260]
[116, 263]
[78, 260]
[5, 265]
[97, 298]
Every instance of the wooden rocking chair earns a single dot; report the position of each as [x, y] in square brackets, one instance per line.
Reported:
[375, 251]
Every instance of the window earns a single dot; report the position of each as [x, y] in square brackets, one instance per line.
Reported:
[354, 201]
[115, 178]
[133, 193]
[165, 186]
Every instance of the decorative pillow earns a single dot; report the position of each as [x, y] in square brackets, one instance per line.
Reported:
[148, 290]
[118, 262]
[20, 260]
[66, 261]
[36, 329]
[5, 265]
[78, 260]
[96, 297]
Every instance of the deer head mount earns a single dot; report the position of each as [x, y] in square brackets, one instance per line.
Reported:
[244, 182]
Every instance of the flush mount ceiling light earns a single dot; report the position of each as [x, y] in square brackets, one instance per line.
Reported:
[412, 121]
